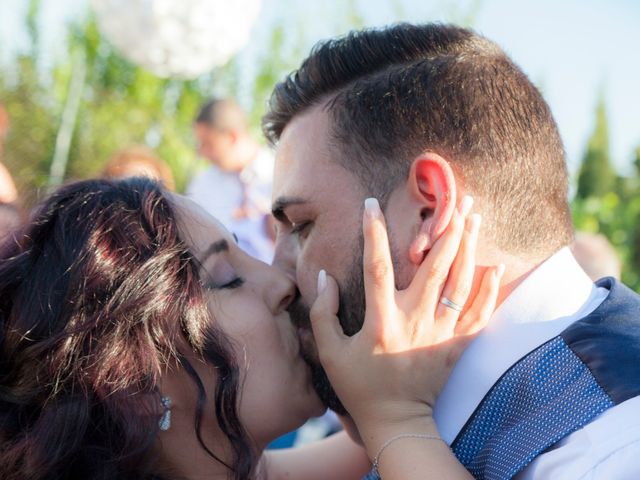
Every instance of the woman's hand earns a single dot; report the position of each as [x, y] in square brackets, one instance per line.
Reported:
[390, 373]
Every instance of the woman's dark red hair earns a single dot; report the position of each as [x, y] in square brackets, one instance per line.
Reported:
[94, 292]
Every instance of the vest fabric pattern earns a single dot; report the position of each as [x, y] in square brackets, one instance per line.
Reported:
[555, 390]
[543, 397]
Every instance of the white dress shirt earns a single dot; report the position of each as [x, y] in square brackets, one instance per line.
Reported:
[222, 193]
[553, 296]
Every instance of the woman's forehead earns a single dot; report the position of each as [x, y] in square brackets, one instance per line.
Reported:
[197, 227]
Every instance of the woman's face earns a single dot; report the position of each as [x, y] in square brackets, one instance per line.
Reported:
[248, 300]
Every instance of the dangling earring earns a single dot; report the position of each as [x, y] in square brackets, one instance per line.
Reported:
[165, 420]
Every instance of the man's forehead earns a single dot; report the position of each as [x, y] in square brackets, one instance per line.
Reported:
[303, 155]
[304, 135]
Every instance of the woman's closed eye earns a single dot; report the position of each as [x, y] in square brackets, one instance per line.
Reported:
[223, 276]
[235, 283]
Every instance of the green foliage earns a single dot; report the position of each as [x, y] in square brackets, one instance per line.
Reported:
[32, 129]
[125, 105]
[609, 204]
[597, 177]
[121, 105]
[617, 218]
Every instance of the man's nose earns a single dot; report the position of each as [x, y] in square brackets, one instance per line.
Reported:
[285, 256]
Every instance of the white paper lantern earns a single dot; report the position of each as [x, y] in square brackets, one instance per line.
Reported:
[177, 38]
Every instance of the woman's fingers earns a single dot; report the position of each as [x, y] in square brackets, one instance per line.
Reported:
[434, 270]
[379, 286]
[326, 327]
[458, 285]
[480, 311]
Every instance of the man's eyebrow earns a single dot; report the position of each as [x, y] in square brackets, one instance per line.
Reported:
[281, 203]
[215, 247]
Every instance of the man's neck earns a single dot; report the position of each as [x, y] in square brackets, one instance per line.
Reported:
[517, 269]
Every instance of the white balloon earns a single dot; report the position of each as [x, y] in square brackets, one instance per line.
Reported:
[177, 38]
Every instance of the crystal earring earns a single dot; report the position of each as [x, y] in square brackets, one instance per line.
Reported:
[165, 420]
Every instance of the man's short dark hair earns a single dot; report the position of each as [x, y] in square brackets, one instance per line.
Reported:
[396, 92]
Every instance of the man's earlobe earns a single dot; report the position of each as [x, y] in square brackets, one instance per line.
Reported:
[419, 247]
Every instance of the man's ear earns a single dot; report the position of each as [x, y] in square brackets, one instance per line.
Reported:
[432, 186]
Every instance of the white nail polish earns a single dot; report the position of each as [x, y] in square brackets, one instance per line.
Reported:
[465, 205]
[474, 226]
[372, 207]
[322, 281]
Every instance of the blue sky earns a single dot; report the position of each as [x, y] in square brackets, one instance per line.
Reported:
[571, 48]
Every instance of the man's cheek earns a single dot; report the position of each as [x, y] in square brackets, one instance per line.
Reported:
[307, 279]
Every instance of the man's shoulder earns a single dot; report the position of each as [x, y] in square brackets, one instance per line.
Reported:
[608, 341]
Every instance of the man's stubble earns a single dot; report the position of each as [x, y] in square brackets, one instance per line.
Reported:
[351, 314]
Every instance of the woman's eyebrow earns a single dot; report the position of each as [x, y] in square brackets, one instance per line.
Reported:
[216, 247]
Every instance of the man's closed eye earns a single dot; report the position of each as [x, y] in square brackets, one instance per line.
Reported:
[301, 229]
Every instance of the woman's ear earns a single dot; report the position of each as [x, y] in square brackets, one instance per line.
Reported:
[432, 186]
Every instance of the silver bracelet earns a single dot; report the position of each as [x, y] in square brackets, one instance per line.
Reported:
[376, 459]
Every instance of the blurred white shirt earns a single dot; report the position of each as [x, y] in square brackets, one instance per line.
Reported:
[240, 201]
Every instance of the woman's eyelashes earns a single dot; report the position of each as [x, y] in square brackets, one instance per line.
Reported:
[235, 283]
[223, 276]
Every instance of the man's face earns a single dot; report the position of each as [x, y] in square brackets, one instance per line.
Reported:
[318, 207]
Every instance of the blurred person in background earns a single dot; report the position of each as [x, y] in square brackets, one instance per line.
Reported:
[138, 161]
[4, 126]
[8, 191]
[236, 187]
[596, 256]
[10, 213]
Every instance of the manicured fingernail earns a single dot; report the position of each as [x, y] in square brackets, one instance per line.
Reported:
[322, 281]
[465, 205]
[372, 207]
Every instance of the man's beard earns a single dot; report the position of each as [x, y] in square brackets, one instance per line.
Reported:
[351, 315]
